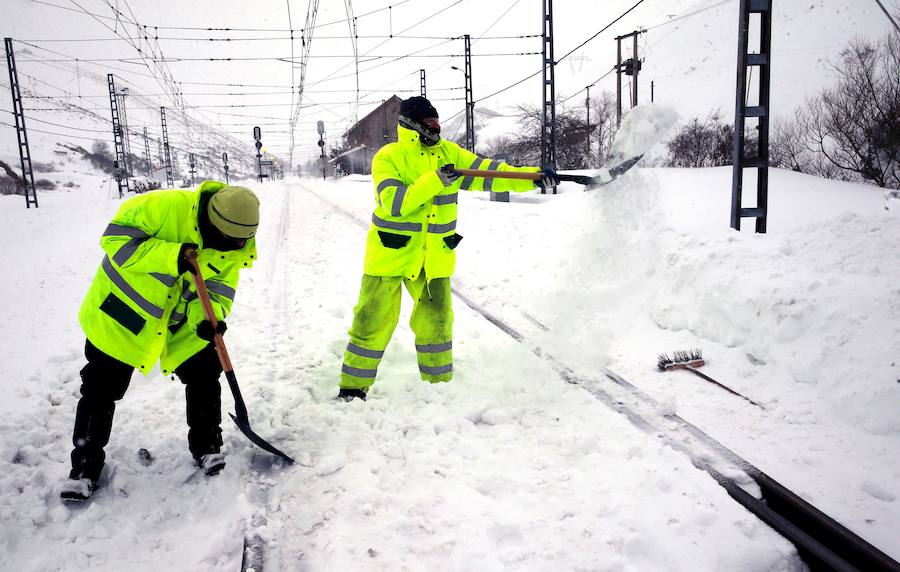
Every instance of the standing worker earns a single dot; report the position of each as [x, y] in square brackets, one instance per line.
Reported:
[142, 307]
[412, 240]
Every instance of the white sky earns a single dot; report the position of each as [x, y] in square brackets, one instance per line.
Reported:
[330, 81]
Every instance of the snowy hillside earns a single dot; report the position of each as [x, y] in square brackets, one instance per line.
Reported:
[503, 467]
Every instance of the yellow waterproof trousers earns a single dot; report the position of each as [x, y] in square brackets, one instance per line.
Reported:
[375, 318]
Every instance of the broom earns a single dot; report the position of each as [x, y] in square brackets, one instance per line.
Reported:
[691, 360]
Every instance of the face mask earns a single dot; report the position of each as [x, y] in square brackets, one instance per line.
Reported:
[429, 129]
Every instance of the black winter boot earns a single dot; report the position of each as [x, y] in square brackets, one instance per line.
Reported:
[351, 393]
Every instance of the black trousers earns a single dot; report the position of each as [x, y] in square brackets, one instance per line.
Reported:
[104, 380]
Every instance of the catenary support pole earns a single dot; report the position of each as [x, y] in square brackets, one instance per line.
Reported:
[167, 155]
[470, 98]
[148, 170]
[21, 134]
[548, 114]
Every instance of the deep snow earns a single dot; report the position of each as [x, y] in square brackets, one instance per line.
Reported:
[507, 467]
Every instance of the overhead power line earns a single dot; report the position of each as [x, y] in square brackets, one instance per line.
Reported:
[888, 14]
[213, 29]
[283, 59]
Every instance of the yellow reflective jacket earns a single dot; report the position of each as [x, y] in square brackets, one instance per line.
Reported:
[138, 309]
[414, 222]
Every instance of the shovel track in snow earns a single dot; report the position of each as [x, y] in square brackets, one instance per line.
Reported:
[822, 542]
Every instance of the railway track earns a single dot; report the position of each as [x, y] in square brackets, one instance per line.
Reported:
[822, 542]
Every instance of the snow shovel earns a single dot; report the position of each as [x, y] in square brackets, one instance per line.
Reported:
[240, 419]
[587, 181]
[690, 360]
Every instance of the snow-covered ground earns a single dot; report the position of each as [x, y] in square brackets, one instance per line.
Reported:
[507, 467]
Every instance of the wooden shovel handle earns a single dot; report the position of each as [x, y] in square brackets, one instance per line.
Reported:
[191, 256]
[499, 174]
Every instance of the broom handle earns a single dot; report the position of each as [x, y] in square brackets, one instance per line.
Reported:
[499, 174]
[726, 388]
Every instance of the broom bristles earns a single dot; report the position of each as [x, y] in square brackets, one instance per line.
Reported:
[680, 357]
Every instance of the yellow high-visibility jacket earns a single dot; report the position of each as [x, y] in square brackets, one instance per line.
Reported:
[138, 309]
[414, 222]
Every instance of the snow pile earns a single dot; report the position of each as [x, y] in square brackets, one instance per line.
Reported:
[642, 128]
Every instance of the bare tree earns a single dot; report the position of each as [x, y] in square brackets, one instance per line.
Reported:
[604, 108]
[706, 144]
[790, 148]
[500, 145]
[856, 124]
[571, 133]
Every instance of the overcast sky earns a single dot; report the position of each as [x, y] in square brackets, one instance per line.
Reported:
[330, 82]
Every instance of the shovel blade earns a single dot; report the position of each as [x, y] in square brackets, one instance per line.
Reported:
[244, 426]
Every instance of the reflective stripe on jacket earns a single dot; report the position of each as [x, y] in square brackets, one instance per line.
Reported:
[414, 221]
[138, 309]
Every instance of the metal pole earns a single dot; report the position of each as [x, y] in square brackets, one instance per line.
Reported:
[618, 81]
[225, 162]
[587, 135]
[126, 140]
[548, 115]
[320, 127]
[149, 169]
[191, 165]
[636, 68]
[257, 134]
[470, 98]
[652, 86]
[119, 167]
[167, 155]
[422, 82]
[19, 112]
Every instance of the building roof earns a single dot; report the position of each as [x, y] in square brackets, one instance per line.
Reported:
[372, 113]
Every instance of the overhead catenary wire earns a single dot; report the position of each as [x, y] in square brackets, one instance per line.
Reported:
[564, 56]
[196, 39]
[888, 14]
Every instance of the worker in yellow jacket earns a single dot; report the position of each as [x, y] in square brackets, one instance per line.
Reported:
[412, 241]
[142, 307]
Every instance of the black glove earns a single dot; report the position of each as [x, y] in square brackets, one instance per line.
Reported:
[549, 178]
[448, 174]
[184, 265]
[205, 330]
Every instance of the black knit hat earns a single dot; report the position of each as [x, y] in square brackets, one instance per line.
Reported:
[417, 108]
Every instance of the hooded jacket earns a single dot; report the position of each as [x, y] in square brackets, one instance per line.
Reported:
[414, 221]
[138, 308]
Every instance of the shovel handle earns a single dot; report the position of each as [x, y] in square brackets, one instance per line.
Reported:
[490, 174]
[528, 176]
[202, 293]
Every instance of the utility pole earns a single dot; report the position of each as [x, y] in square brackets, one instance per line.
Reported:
[126, 140]
[225, 163]
[187, 125]
[19, 112]
[384, 133]
[320, 126]
[167, 155]
[422, 82]
[149, 170]
[119, 168]
[761, 111]
[652, 89]
[630, 67]
[548, 116]
[587, 136]
[191, 164]
[470, 98]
